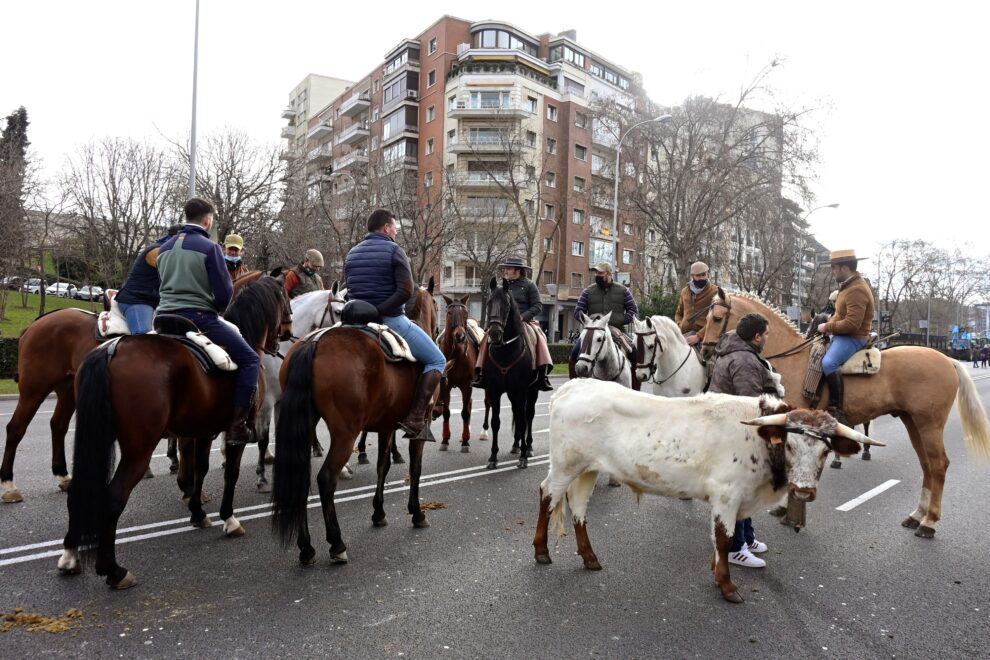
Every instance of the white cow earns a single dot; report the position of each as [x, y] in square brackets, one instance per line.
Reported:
[693, 447]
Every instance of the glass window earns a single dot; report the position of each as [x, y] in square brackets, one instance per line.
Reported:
[490, 99]
[531, 104]
[596, 69]
[429, 146]
[431, 78]
[652, 235]
[627, 229]
[431, 113]
[577, 217]
[551, 180]
[551, 112]
[488, 39]
[433, 45]
[627, 256]
[548, 211]
[556, 53]
[503, 39]
[547, 247]
[548, 277]
[551, 146]
[451, 102]
[577, 281]
[597, 164]
[530, 206]
[580, 119]
[581, 153]
[531, 138]
[428, 181]
[578, 184]
[577, 248]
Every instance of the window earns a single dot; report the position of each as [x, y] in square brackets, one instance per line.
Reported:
[530, 206]
[428, 180]
[431, 78]
[581, 153]
[627, 256]
[531, 104]
[452, 136]
[580, 119]
[531, 138]
[630, 169]
[374, 143]
[551, 180]
[490, 100]
[375, 115]
[448, 273]
[598, 165]
[547, 247]
[433, 45]
[548, 211]
[378, 85]
[501, 39]
[451, 102]
[531, 172]
[577, 217]
[628, 229]
[551, 146]
[548, 277]
[431, 113]
[577, 248]
[652, 235]
[551, 112]
[429, 146]
[577, 281]
[598, 225]
[578, 184]
[652, 261]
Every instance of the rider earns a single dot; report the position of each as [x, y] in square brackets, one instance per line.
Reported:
[527, 298]
[599, 299]
[850, 326]
[692, 308]
[195, 286]
[377, 271]
[233, 256]
[740, 370]
[305, 277]
[138, 297]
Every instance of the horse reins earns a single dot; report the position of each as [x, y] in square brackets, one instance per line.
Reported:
[725, 322]
[594, 360]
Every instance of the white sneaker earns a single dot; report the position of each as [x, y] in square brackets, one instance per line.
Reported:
[745, 558]
[757, 546]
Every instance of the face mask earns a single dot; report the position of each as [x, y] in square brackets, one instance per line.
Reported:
[700, 284]
[232, 260]
[307, 270]
[600, 280]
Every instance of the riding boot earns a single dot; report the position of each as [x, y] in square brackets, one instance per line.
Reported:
[834, 382]
[238, 432]
[479, 378]
[415, 424]
[571, 370]
[544, 379]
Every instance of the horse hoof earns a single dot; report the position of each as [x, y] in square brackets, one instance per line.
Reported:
[910, 523]
[733, 597]
[235, 533]
[867, 457]
[837, 464]
[465, 449]
[422, 524]
[514, 450]
[484, 436]
[443, 446]
[203, 523]
[346, 473]
[173, 468]
[64, 482]
[338, 558]
[379, 523]
[528, 453]
[363, 459]
[925, 532]
[307, 557]
[68, 563]
[269, 459]
[398, 460]
[264, 487]
[491, 465]
[125, 582]
[592, 565]
[11, 496]
[543, 559]
[204, 497]
[148, 474]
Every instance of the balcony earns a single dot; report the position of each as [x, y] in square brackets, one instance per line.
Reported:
[353, 134]
[321, 130]
[321, 154]
[410, 95]
[487, 144]
[388, 73]
[481, 180]
[288, 132]
[355, 105]
[356, 157]
[604, 138]
[289, 113]
[601, 200]
[462, 285]
[463, 108]
[288, 154]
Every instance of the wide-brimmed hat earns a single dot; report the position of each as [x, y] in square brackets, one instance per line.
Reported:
[699, 268]
[233, 240]
[839, 257]
[514, 262]
[603, 267]
[315, 257]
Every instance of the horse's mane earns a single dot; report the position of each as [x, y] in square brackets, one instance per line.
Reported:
[306, 310]
[412, 306]
[255, 310]
[773, 309]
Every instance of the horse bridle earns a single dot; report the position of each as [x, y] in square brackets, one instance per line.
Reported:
[641, 361]
[328, 310]
[725, 321]
[448, 327]
[594, 359]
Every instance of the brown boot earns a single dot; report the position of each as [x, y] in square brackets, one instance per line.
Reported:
[415, 424]
[238, 432]
[834, 382]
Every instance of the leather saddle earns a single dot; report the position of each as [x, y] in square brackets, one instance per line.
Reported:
[363, 316]
[209, 355]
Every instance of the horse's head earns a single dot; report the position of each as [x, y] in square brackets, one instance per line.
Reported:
[455, 325]
[422, 309]
[285, 322]
[595, 340]
[716, 323]
[500, 313]
[648, 347]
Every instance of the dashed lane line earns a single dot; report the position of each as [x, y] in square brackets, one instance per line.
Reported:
[868, 495]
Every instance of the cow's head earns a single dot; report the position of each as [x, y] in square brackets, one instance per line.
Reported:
[805, 438]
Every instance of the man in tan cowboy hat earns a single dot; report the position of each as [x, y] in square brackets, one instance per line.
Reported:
[233, 256]
[849, 326]
[692, 308]
[305, 277]
[527, 297]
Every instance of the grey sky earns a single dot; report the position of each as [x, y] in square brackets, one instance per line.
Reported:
[903, 138]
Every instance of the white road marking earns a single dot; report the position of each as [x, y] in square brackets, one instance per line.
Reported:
[868, 495]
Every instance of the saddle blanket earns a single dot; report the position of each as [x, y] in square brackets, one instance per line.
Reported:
[864, 362]
[218, 356]
[112, 323]
[392, 344]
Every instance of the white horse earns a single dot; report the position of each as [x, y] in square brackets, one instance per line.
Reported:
[664, 357]
[600, 357]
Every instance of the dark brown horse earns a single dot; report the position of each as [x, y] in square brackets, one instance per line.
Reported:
[343, 379]
[459, 348]
[177, 397]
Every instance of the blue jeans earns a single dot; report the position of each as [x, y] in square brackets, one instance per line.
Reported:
[248, 364]
[423, 348]
[744, 534]
[840, 349]
[138, 317]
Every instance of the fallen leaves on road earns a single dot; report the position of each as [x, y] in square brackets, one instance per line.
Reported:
[430, 505]
[35, 622]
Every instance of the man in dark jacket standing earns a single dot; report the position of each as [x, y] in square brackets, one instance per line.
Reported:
[740, 370]
[196, 285]
[523, 290]
[377, 271]
[138, 298]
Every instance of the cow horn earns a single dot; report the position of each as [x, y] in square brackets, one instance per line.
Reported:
[779, 419]
[853, 434]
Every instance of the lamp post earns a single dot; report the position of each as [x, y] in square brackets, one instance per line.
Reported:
[192, 134]
[800, 268]
[615, 196]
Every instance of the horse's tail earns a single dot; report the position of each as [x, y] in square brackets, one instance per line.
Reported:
[976, 428]
[93, 454]
[290, 490]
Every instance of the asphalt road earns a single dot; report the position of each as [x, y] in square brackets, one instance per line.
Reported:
[854, 584]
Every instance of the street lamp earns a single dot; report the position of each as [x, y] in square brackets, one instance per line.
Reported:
[615, 197]
[800, 269]
[192, 135]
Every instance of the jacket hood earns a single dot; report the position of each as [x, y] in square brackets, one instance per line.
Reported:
[733, 343]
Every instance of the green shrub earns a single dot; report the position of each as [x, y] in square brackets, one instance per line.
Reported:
[8, 357]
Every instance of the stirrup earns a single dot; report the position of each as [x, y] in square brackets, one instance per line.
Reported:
[424, 434]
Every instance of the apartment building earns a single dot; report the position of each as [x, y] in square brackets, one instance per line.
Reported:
[487, 126]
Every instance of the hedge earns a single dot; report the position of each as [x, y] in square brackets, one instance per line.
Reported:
[560, 353]
[8, 357]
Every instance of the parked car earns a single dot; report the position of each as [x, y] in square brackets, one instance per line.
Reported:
[13, 283]
[61, 290]
[92, 293]
[33, 285]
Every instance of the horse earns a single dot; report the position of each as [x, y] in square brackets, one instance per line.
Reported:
[918, 385]
[177, 398]
[664, 357]
[462, 355]
[341, 377]
[601, 358]
[508, 369]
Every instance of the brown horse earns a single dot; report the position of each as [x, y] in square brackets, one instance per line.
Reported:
[175, 397]
[916, 384]
[343, 378]
[462, 355]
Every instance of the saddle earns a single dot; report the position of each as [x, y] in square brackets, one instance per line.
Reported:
[111, 322]
[363, 316]
[864, 362]
[209, 355]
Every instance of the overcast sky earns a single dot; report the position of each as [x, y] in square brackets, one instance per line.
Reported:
[901, 88]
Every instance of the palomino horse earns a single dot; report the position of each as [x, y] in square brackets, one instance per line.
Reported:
[916, 384]
[508, 369]
[664, 358]
[177, 397]
[343, 378]
[601, 358]
[462, 355]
